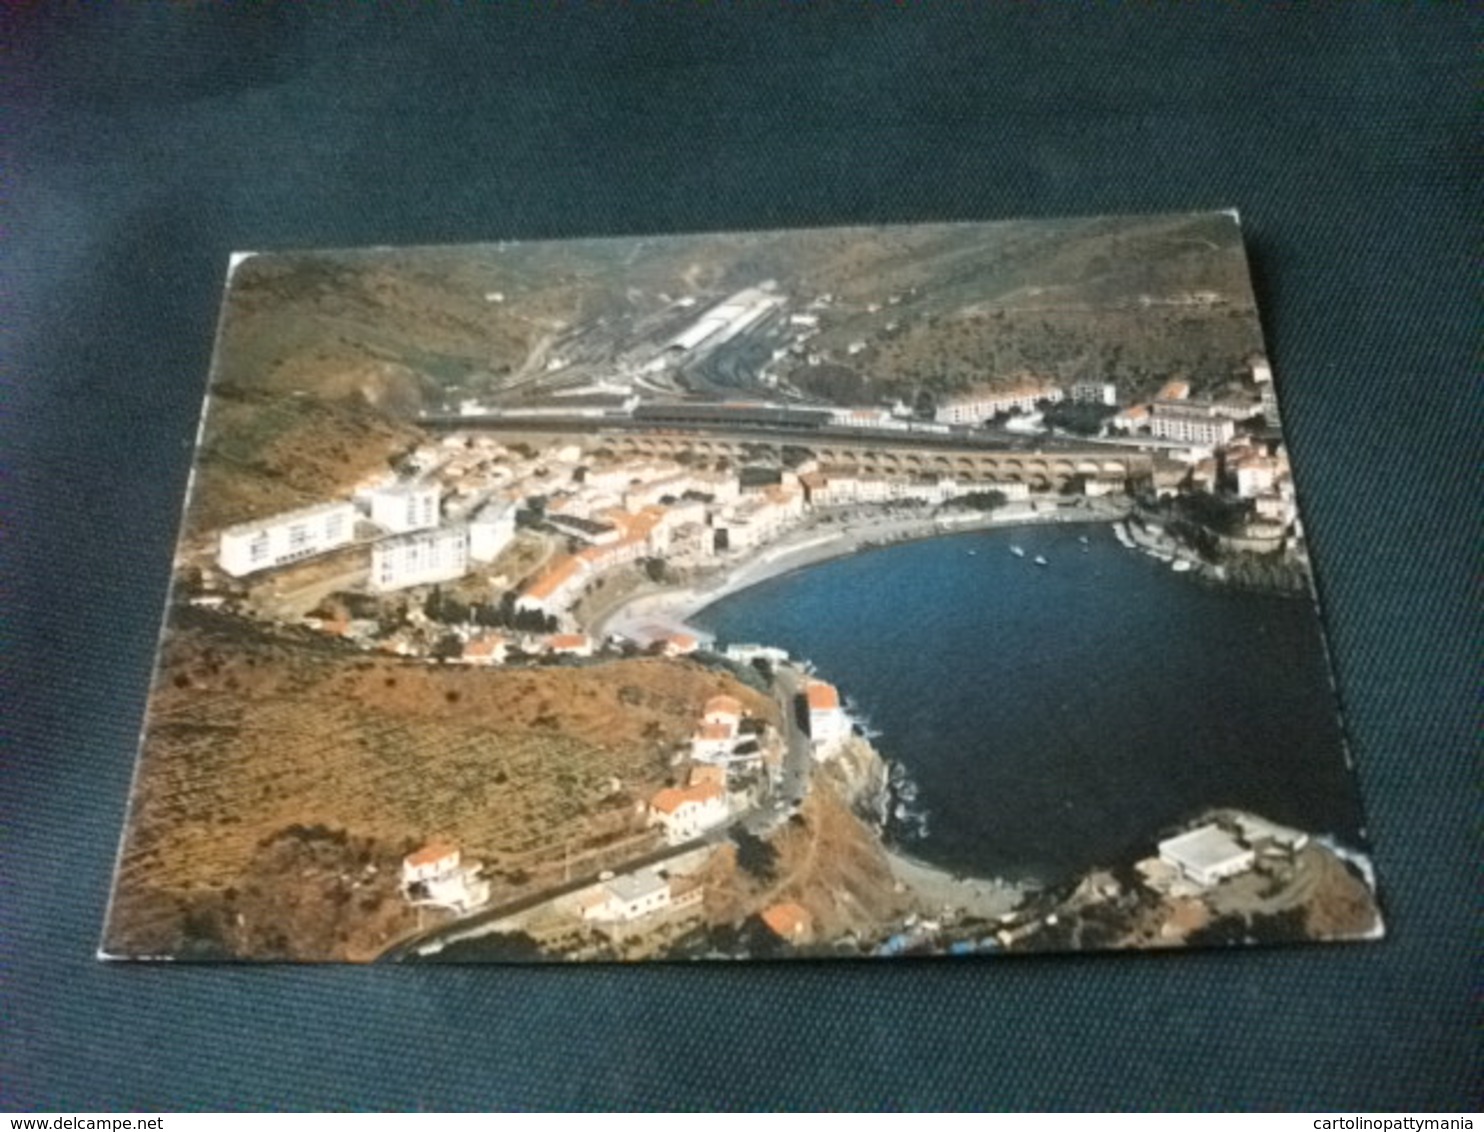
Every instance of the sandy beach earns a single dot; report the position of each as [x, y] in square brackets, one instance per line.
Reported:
[648, 615]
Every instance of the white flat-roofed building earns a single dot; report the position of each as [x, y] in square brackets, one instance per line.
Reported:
[976, 408]
[1255, 475]
[491, 530]
[420, 558]
[1270, 404]
[627, 897]
[1207, 854]
[747, 653]
[1095, 393]
[725, 321]
[1191, 427]
[405, 506]
[289, 537]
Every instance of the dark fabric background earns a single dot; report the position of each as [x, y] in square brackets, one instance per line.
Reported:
[146, 142]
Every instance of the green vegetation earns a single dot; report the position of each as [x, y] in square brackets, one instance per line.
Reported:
[1274, 573]
[977, 501]
[1083, 419]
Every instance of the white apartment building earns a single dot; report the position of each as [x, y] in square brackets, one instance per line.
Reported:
[491, 530]
[1191, 427]
[405, 506]
[420, 558]
[979, 407]
[1095, 393]
[289, 537]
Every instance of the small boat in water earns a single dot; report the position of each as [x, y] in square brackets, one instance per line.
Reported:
[1039, 561]
[1182, 565]
[1017, 551]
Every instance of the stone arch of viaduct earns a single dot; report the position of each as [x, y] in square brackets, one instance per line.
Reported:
[1036, 469]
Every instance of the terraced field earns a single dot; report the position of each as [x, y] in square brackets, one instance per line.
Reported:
[254, 742]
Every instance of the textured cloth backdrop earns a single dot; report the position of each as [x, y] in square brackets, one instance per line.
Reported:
[147, 142]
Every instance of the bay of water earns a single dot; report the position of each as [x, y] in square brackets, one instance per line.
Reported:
[1055, 718]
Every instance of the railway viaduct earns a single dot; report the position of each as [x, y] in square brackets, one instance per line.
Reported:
[1047, 468]
[1039, 470]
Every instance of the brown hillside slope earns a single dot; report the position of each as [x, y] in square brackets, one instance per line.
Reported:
[294, 774]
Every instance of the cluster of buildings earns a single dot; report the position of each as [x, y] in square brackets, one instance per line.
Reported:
[402, 522]
[452, 506]
[1217, 850]
[623, 512]
[718, 745]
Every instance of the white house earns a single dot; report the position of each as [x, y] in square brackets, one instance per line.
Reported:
[491, 530]
[627, 897]
[420, 558]
[722, 709]
[405, 506]
[491, 648]
[436, 875]
[569, 644]
[288, 537]
[688, 811]
[828, 723]
[1206, 854]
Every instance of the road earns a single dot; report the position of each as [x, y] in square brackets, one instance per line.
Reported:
[798, 755]
[468, 926]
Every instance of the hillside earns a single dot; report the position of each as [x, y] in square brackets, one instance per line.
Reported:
[283, 778]
[323, 358]
[263, 453]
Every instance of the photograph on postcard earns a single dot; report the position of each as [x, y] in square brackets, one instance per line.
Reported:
[836, 593]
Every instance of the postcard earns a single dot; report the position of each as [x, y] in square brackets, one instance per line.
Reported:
[838, 593]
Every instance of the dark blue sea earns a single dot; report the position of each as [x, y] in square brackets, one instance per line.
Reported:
[1052, 718]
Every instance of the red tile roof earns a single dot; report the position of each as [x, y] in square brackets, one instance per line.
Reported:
[1173, 391]
[485, 646]
[822, 696]
[788, 920]
[723, 705]
[670, 799]
[706, 773]
[431, 853]
[553, 578]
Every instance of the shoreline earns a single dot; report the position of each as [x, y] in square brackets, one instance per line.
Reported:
[941, 891]
[670, 608]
